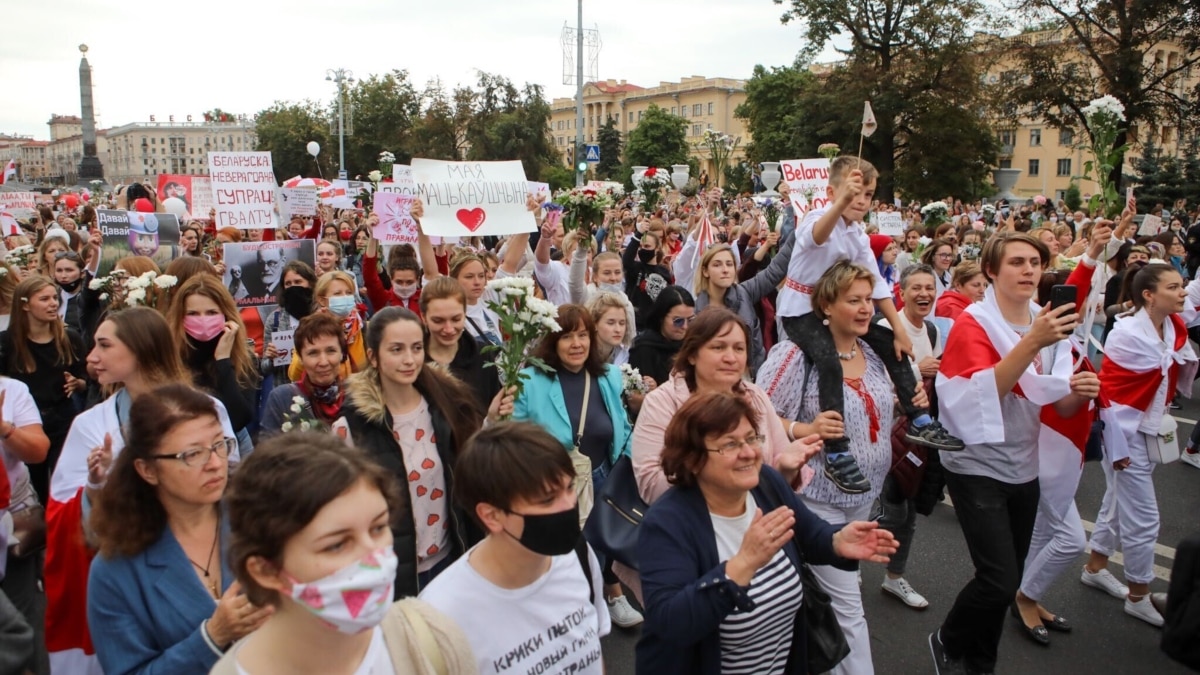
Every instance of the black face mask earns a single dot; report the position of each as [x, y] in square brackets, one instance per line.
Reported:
[646, 255]
[297, 301]
[550, 533]
[72, 286]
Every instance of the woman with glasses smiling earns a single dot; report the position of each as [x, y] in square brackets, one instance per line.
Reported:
[161, 596]
[940, 256]
[667, 321]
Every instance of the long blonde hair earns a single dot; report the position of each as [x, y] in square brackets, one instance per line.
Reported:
[209, 286]
[19, 324]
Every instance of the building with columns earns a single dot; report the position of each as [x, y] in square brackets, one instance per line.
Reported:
[142, 150]
[704, 103]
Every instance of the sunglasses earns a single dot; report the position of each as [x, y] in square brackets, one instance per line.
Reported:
[682, 321]
[69, 255]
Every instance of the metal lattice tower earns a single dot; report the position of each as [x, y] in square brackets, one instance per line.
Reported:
[591, 42]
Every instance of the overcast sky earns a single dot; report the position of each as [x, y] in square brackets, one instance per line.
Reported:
[185, 58]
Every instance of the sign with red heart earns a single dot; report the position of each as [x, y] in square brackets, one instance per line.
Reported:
[464, 199]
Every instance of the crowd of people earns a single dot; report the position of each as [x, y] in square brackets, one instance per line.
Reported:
[184, 491]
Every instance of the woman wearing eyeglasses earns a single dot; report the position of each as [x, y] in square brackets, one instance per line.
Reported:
[667, 321]
[940, 256]
[161, 596]
[721, 552]
[40, 351]
[135, 352]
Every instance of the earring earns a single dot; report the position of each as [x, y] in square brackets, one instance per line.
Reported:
[825, 322]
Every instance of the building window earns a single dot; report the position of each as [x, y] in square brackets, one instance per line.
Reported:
[1064, 167]
[683, 111]
[1006, 164]
[1035, 167]
[696, 129]
[630, 115]
[640, 113]
[711, 107]
[1007, 137]
[674, 110]
[1066, 137]
[697, 109]
[1035, 137]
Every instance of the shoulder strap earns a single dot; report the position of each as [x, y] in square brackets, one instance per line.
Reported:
[931, 327]
[581, 552]
[425, 640]
[587, 391]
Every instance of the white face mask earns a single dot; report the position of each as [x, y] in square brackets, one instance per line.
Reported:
[354, 598]
[611, 288]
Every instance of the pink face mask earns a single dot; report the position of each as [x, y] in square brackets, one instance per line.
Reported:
[204, 328]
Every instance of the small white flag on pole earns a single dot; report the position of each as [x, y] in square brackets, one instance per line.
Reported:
[868, 124]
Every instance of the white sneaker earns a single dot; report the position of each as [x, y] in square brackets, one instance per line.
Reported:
[903, 590]
[1143, 609]
[1105, 581]
[1192, 458]
[622, 613]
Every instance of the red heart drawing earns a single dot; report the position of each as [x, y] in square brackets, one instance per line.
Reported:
[433, 550]
[472, 219]
[427, 464]
[413, 476]
[436, 494]
[421, 490]
[420, 434]
[433, 518]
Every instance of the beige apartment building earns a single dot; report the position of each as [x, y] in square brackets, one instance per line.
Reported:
[1050, 159]
[65, 149]
[142, 150]
[704, 103]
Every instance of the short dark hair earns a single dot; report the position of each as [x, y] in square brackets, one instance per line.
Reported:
[912, 271]
[707, 325]
[508, 461]
[266, 509]
[570, 318]
[706, 414]
[317, 325]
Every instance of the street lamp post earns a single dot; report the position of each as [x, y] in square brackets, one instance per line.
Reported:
[579, 147]
[342, 77]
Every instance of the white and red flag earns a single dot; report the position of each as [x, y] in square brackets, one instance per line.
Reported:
[9, 173]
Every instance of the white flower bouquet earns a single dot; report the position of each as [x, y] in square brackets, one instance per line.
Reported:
[524, 320]
[632, 380]
[300, 417]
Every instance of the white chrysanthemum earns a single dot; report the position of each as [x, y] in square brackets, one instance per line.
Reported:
[166, 281]
[135, 296]
[933, 207]
[97, 284]
[1105, 104]
[286, 427]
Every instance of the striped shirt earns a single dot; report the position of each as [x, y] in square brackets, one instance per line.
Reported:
[757, 642]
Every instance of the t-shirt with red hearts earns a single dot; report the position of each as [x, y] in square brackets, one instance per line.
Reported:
[413, 432]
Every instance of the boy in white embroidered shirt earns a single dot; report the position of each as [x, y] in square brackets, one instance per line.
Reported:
[823, 237]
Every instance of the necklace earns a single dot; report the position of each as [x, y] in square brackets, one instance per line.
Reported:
[210, 582]
[851, 355]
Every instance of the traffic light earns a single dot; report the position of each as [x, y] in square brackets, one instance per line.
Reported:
[581, 167]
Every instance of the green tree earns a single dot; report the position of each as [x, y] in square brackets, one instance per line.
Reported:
[386, 108]
[1160, 179]
[1073, 198]
[435, 134]
[659, 139]
[778, 126]
[285, 130]
[899, 52]
[609, 140]
[1108, 47]
[508, 123]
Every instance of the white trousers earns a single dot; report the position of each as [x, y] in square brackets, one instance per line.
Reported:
[1128, 520]
[1058, 537]
[845, 594]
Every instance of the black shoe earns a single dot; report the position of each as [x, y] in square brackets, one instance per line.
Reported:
[1036, 633]
[933, 435]
[943, 664]
[846, 475]
[1058, 624]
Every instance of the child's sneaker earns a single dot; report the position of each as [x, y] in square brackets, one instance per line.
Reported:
[933, 435]
[843, 470]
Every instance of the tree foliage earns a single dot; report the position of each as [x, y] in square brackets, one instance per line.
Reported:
[508, 123]
[1160, 179]
[781, 129]
[285, 129]
[609, 140]
[1108, 47]
[386, 108]
[660, 139]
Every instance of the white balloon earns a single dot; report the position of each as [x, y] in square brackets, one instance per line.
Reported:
[176, 206]
[314, 148]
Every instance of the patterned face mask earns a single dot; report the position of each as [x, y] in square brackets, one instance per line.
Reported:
[354, 598]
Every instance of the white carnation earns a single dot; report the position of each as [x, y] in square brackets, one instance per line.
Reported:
[135, 296]
[166, 281]
[1105, 104]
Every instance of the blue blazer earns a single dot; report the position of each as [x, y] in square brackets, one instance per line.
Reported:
[684, 584]
[145, 611]
[542, 401]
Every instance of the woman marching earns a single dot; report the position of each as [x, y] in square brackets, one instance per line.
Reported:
[1147, 361]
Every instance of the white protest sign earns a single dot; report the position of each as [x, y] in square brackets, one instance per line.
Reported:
[202, 197]
[396, 224]
[297, 202]
[540, 191]
[284, 341]
[473, 198]
[1151, 225]
[890, 223]
[18, 200]
[807, 179]
[402, 181]
[243, 189]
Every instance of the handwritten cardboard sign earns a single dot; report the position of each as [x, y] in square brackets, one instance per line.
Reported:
[464, 199]
[890, 223]
[18, 200]
[297, 202]
[402, 181]
[284, 341]
[396, 224]
[807, 179]
[243, 189]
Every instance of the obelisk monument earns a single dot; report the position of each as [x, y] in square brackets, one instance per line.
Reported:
[89, 167]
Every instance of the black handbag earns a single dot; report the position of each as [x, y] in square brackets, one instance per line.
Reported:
[612, 527]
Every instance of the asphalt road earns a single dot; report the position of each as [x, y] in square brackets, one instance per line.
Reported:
[1105, 640]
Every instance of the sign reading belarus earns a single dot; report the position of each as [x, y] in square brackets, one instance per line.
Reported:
[396, 224]
[465, 199]
[243, 189]
[807, 179]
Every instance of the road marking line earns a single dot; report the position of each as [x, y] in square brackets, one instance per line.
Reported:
[1184, 420]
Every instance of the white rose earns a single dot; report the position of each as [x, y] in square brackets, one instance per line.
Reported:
[96, 284]
[287, 426]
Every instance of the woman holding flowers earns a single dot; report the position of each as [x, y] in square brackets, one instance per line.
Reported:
[413, 421]
[318, 395]
[577, 398]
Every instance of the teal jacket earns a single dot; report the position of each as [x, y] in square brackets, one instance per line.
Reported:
[541, 401]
